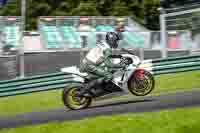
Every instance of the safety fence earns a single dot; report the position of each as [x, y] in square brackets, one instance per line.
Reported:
[60, 80]
[34, 84]
[172, 65]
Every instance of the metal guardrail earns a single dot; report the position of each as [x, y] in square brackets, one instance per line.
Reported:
[173, 65]
[177, 70]
[59, 80]
[34, 84]
[182, 58]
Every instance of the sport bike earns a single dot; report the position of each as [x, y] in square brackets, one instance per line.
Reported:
[132, 78]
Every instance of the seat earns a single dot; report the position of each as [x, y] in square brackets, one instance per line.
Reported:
[73, 70]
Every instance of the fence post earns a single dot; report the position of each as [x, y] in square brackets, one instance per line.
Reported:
[21, 57]
[21, 49]
[21, 63]
[163, 33]
[83, 45]
[141, 52]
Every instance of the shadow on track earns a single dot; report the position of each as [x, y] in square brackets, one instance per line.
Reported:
[121, 103]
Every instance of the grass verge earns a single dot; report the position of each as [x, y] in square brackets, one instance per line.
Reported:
[170, 121]
[49, 100]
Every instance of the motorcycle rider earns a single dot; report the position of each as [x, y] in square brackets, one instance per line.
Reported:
[98, 62]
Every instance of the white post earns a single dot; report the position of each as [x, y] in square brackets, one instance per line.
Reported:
[83, 45]
[163, 33]
[141, 52]
[21, 51]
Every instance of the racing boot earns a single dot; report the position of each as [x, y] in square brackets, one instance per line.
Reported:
[85, 92]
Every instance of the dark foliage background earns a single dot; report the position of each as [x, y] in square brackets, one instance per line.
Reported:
[143, 11]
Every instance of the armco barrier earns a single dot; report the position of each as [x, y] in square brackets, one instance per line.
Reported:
[60, 80]
[176, 70]
[34, 84]
[176, 66]
[177, 62]
[175, 58]
[171, 61]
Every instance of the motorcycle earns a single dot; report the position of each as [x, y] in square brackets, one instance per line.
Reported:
[134, 79]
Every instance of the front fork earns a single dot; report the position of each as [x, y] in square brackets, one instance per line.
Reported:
[121, 82]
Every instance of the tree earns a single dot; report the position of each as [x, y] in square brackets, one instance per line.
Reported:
[85, 9]
[119, 8]
[11, 9]
[152, 17]
[34, 10]
[144, 11]
[104, 7]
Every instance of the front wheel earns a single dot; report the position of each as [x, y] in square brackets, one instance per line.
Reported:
[72, 100]
[141, 83]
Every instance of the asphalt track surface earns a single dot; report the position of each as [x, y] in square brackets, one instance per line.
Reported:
[136, 105]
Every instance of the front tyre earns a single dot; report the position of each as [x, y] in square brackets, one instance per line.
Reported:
[72, 100]
[141, 83]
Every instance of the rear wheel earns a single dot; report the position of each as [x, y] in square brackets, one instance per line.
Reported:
[141, 83]
[72, 100]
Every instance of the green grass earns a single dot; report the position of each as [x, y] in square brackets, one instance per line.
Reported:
[177, 82]
[31, 102]
[50, 100]
[171, 121]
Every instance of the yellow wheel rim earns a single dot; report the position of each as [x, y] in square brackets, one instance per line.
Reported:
[72, 95]
[142, 90]
[75, 101]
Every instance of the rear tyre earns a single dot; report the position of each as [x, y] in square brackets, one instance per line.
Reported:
[141, 83]
[72, 100]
